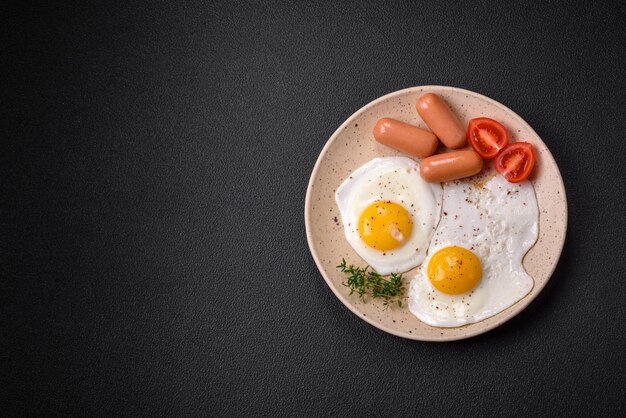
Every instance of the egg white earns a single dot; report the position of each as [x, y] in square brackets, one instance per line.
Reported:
[499, 223]
[396, 179]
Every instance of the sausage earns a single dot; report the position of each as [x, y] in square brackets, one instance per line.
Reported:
[406, 138]
[451, 165]
[441, 120]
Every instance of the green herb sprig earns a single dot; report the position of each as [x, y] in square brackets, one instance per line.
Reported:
[367, 282]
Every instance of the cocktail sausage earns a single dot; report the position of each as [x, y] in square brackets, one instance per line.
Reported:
[406, 138]
[441, 120]
[451, 166]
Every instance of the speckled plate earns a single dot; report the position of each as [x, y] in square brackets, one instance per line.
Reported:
[353, 144]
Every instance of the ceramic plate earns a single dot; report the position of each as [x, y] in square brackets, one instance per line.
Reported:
[353, 144]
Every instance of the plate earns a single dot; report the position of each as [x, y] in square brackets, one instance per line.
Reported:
[353, 144]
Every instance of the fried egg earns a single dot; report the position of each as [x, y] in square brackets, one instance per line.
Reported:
[389, 213]
[473, 269]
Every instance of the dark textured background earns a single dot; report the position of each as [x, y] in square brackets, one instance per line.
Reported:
[154, 165]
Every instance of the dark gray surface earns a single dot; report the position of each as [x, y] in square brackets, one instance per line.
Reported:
[154, 167]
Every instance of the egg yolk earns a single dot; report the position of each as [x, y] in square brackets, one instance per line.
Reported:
[454, 270]
[385, 225]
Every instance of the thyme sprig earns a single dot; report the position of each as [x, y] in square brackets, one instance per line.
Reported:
[365, 281]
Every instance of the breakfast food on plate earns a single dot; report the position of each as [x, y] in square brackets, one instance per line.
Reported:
[409, 139]
[487, 136]
[451, 166]
[474, 265]
[441, 120]
[516, 161]
[467, 238]
[389, 213]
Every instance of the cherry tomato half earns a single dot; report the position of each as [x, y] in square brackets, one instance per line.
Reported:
[487, 136]
[516, 161]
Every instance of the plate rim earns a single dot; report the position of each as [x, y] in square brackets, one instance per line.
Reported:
[523, 304]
